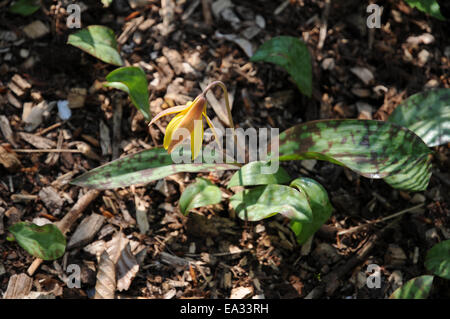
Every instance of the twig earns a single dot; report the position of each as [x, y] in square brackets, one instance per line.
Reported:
[67, 221]
[51, 127]
[49, 150]
[356, 228]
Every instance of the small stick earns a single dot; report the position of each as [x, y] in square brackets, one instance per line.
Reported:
[356, 228]
[51, 127]
[67, 221]
[49, 150]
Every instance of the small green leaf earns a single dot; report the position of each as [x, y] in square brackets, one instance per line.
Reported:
[45, 242]
[438, 259]
[98, 41]
[373, 149]
[320, 205]
[265, 201]
[141, 168]
[428, 6]
[291, 54]
[254, 173]
[416, 288]
[427, 114]
[199, 194]
[132, 80]
[25, 7]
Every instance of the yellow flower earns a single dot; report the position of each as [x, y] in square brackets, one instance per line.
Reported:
[188, 121]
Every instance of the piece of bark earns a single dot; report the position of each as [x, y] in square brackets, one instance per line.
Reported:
[9, 160]
[86, 231]
[2, 227]
[51, 199]
[117, 128]
[35, 117]
[106, 278]
[105, 139]
[77, 97]
[18, 286]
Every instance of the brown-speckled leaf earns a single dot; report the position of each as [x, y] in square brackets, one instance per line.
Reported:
[427, 114]
[373, 149]
[416, 288]
[140, 168]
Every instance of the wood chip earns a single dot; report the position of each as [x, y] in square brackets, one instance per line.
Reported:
[37, 141]
[141, 216]
[174, 59]
[77, 97]
[126, 268]
[9, 160]
[364, 74]
[36, 29]
[241, 292]
[6, 130]
[51, 199]
[18, 286]
[105, 286]
[86, 231]
[105, 139]
[35, 117]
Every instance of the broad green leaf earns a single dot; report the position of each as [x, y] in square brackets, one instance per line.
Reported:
[320, 205]
[373, 149]
[132, 80]
[142, 167]
[438, 259]
[255, 173]
[25, 7]
[427, 114]
[291, 54]
[98, 41]
[265, 201]
[416, 288]
[428, 6]
[45, 242]
[199, 194]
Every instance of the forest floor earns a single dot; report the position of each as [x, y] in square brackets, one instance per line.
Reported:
[211, 253]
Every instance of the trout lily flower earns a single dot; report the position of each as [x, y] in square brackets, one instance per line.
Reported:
[188, 121]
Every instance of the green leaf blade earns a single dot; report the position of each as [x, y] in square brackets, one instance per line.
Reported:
[373, 149]
[416, 288]
[291, 54]
[99, 41]
[265, 201]
[438, 259]
[133, 81]
[427, 114]
[45, 242]
[428, 6]
[253, 174]
[25, 7]
[320, 205]
[199, 194]
[140, 168]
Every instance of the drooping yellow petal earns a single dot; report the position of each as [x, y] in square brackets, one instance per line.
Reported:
[197, 138]
[170, 129]
[186, 124]
[169, 111]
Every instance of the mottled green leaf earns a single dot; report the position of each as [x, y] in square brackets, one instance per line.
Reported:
[199, 194]
[141, 168]
[98, 41]
[373, 149]
[255, 173]
[427, 114]
[416, 288]
[293, 55]
[438, 259]
[132, 80]
[45, 242]
[25, 7]
[320, 205]
[265, 201]
[428, 6]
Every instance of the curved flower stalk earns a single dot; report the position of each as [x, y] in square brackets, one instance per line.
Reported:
[189, 122]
